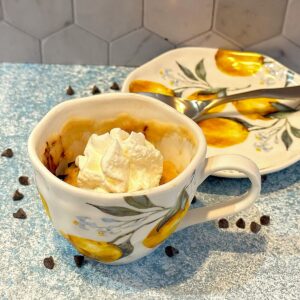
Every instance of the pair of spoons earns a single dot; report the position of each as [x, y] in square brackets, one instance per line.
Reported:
[196, 109]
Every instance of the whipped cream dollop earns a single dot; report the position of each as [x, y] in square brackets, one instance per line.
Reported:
[118, 162]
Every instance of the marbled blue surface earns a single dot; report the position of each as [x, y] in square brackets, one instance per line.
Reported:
[211, 264]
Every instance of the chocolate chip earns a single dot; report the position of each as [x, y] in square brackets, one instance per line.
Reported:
[115, 87]
[263, 178]
[95, 90]
[17, 196]
[70, 91]
[79, 259]
[7, 153]
[171, 251]
[20, 214]
[71, 163]
[194, 200]
[24, 180]
[223, 223]
[255, 227]
[240, 223]
[265, 220]
[49, 262]
[62, 177]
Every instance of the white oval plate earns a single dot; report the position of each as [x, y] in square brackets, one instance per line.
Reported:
[269, 136]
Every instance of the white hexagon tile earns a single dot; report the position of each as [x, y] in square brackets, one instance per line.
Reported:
[210, 39]
[137, 48]
[178, 20]
[1, 13]
[74, 45]
[109, 19]
[281, 49]
[17, 46]
[38, 18]
[249, 21]
[131, 32]
[291, 28]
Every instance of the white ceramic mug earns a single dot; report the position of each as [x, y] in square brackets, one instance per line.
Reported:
[123, 227]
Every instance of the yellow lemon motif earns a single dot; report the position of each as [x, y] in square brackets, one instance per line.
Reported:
[155, 237]
[45, 206]
[102, 251]
[255, 108]
[236, 63]
[137, 86]
[201, 96]
[221, 132]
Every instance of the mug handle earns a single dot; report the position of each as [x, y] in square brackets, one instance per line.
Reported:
[225, 162]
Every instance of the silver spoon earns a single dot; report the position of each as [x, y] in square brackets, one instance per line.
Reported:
[195, 109]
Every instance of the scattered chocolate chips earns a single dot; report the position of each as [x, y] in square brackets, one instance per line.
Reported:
[255, 227]
[115, 87]
[79, 260]
[17, 196]
[62, 176]
[49, 262]
[20, 214]
[265, 220]
[194, 200]
[95, 90]
[70, 91]
[71, 163]
[223, 223]
[171, 251]
[24, 180]
[240, 223]
[263, 178]
[7, 153]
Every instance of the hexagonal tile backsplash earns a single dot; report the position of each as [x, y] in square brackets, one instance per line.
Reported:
[131, 32]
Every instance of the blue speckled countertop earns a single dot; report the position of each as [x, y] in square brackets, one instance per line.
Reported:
[211, 264]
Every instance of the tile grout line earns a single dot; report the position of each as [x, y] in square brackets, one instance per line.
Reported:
[212, 15]
[285, 18]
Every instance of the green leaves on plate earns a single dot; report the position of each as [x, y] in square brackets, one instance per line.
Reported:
[200, 70]
[295, 131]
[187, 72]
[286, 138]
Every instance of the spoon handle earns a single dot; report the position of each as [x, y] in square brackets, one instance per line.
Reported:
[287, 93]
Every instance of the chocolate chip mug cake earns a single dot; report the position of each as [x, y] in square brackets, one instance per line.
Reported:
[118, 155]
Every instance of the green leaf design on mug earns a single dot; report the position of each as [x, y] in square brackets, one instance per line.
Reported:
[141, 202]
[117, 211]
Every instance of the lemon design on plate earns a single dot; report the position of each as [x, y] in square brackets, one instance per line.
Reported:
[45, 205]
[102, 251]
[169, 223]
[256, 109]
[222, 132]
[137, 86]
[236, 63]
